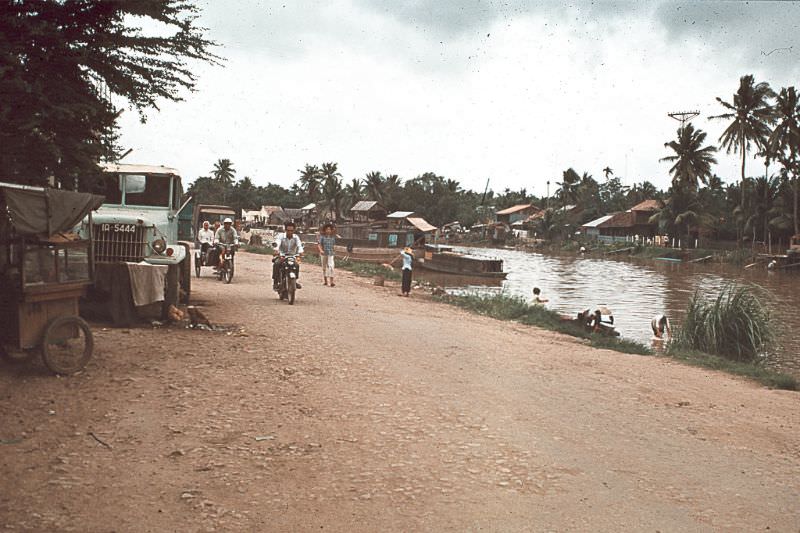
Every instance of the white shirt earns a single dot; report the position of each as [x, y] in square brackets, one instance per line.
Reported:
[205, 235]
[407, 260]
[286, 246]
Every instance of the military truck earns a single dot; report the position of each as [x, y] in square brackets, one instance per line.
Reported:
[139, 222]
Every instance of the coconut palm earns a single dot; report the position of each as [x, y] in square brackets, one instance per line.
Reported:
[332, 195]
[224, 172]
[374, 185]
[310, 181]
[329, 170]
[568, 188]
[608, 172]
[692, 160]
[750, 115]
[784, 142]
[681, 213]
[765, 193]
[353, 193]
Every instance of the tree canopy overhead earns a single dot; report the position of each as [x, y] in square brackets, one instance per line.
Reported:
[61, 61]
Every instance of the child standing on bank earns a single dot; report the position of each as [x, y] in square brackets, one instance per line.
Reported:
[408, 261]
[325, 245]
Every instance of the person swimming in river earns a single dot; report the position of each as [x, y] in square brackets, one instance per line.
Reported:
[660, 325]
[537, 296]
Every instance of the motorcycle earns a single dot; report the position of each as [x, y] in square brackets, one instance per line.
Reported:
[201, 258]
[225, 272]
[288, 272]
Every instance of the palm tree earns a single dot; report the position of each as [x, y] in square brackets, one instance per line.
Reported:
[330, 170]
[309, 181]
[353, 192]
[750, 115]
[224, 172]
[692, 163]
[374, 185]
[608, 172]
[784, 142]
[568, 189]
[332, 195]
[680, 213]
[765, 193]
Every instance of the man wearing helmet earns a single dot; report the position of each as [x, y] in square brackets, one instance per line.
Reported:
[286, 244]
[225, 236]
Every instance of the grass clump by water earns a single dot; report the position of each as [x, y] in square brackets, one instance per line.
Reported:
[505, 307]
[735, 325]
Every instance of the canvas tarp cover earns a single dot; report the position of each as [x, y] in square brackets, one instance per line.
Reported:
[45, 212]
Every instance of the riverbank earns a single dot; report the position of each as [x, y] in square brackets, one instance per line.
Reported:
[505, 307]
[358, 410]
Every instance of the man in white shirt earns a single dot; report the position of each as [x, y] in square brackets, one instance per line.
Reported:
[285, 244]
[205, 236]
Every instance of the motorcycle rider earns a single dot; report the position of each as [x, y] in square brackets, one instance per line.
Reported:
[285, 244]
[225, 236]
[205, 237]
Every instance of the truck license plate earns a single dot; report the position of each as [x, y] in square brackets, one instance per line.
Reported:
[118, 228]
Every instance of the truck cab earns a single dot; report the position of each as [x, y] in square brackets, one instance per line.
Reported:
[140, 217]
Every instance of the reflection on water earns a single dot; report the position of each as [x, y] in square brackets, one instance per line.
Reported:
[637, 292]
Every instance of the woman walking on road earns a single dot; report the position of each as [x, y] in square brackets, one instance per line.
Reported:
[325, 244]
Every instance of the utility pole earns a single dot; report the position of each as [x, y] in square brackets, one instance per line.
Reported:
[548, 195]
[683, 116]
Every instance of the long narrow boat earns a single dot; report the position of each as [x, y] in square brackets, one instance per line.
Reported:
[448, 262]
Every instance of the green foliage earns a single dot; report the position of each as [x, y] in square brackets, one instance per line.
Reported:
[61, 62]
[735, 325]
[692, 160]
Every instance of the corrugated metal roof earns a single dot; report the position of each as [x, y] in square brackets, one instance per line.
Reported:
[309, 207]
[401, 214]
[596, 222]
[421, 224]
[514, 209]
[138, 169]
[364, 205]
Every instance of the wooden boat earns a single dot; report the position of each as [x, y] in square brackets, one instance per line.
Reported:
[447, 262]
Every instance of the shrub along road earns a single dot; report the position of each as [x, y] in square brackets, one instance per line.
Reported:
[358, 410]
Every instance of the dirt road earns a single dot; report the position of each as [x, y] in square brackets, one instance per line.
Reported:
[358, 410]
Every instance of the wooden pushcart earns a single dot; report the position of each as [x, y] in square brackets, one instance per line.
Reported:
[45, 268]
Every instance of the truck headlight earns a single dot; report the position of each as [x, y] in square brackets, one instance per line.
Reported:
[159, 245]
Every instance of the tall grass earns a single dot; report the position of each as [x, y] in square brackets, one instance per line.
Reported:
[736, 325]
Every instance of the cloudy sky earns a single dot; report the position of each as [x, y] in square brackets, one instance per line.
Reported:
[512, 91]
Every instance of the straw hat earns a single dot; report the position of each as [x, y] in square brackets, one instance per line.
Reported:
[604, 310]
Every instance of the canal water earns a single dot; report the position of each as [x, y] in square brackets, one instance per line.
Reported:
[636, 292]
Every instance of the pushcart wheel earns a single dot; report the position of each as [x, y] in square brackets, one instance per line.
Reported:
[67, 345]
[14, 356]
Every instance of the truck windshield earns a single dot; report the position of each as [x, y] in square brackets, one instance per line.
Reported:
[146, 189]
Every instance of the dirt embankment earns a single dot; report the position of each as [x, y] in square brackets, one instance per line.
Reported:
[358, 410]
